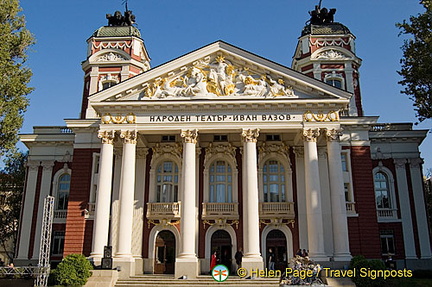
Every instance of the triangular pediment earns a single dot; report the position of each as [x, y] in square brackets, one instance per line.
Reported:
[219, 71]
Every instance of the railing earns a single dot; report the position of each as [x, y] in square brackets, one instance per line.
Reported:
[163, 209]
[90, 211]
[52, 130]
[60, 214]
[350, 208]
[390, 127]
[272, 209]
[226, 210]
[387, 214]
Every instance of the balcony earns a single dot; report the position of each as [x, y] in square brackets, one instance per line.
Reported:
[350, 208]
[387, 214]
[163, 210]
[60, 216]
[220, 210]
[269, 210]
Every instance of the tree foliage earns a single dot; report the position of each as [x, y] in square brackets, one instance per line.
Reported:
[12, 180]
[15, 40]
[417, 61]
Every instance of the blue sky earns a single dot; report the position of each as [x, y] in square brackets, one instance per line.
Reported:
[171, 28]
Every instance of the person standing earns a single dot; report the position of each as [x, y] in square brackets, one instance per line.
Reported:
[238, 257]
[271, 260]
[213, 261]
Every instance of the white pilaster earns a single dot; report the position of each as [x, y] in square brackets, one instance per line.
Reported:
[337, 194]
[44, 192]
[103, 196]
[187, 261]
[313, 196]
[405, 209]
[23, 247]
[251, 234]
[420, 211]
[127, 191]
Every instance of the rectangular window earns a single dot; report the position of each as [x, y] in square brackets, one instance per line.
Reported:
[220, 138]
[387, 242]
[344, 162]
[347, 193]
[273, 137]
[58, 243]
[170, 138]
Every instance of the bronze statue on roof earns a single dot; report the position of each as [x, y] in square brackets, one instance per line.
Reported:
[321, 16]
[119, 20]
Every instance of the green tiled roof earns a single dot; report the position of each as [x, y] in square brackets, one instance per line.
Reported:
[117, 31]
[326, 29]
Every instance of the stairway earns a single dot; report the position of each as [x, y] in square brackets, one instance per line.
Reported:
[201, 281]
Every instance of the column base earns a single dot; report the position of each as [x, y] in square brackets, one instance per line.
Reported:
[252, 265]
[342, 257]
[319, 257]
[188, 267]
[125, 267]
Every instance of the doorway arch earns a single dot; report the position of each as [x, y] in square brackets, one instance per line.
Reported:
[221, 243]
[277, 241]
[164, 253]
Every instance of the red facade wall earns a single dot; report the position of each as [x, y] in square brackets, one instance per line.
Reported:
[78, 233]
[363, 230]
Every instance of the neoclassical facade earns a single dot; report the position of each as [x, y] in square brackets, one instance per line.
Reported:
[221, 149]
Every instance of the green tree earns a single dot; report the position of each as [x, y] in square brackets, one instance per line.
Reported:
[15, 40]
[11, 190]
[417, 61]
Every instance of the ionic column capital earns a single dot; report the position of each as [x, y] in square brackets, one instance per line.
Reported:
[400, 162]
[189, 136]
[107, 136]
[129, 136]
[333, 134]
[33, 164]
[311, 135]
[141, 152]
[250, 135]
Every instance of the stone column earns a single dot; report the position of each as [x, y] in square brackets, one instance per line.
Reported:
[337, 194]
[405, 209]
[44, 192]
[313, 196]
[103, 196]
[126, 197]
[251, 235]
[187, 261]
[419, 204]
[27, 212]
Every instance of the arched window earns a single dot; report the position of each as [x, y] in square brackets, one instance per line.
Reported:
[335, 83]
[220, 183]
[382, 190]
[63, 191]
[274, 181]
[167, 176]
[108, 84]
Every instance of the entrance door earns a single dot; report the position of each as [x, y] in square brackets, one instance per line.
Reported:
[164, 253]
[276, 240]
[221, 243]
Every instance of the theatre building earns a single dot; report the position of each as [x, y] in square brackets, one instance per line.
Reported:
[222, 149]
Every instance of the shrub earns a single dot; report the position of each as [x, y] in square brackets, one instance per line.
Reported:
[358, 262]
[74, 270]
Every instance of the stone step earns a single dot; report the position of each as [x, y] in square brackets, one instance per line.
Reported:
[201, 281]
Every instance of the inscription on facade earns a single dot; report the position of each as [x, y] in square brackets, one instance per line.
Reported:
[219, 118]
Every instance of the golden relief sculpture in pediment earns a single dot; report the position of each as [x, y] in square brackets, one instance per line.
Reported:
[219, 78]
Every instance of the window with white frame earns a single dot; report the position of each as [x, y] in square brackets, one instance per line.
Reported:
[167, 177]
[387, 242]
[220, 182]
[58, 243]
[274, 181]
[382, 190]
[63, 188]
